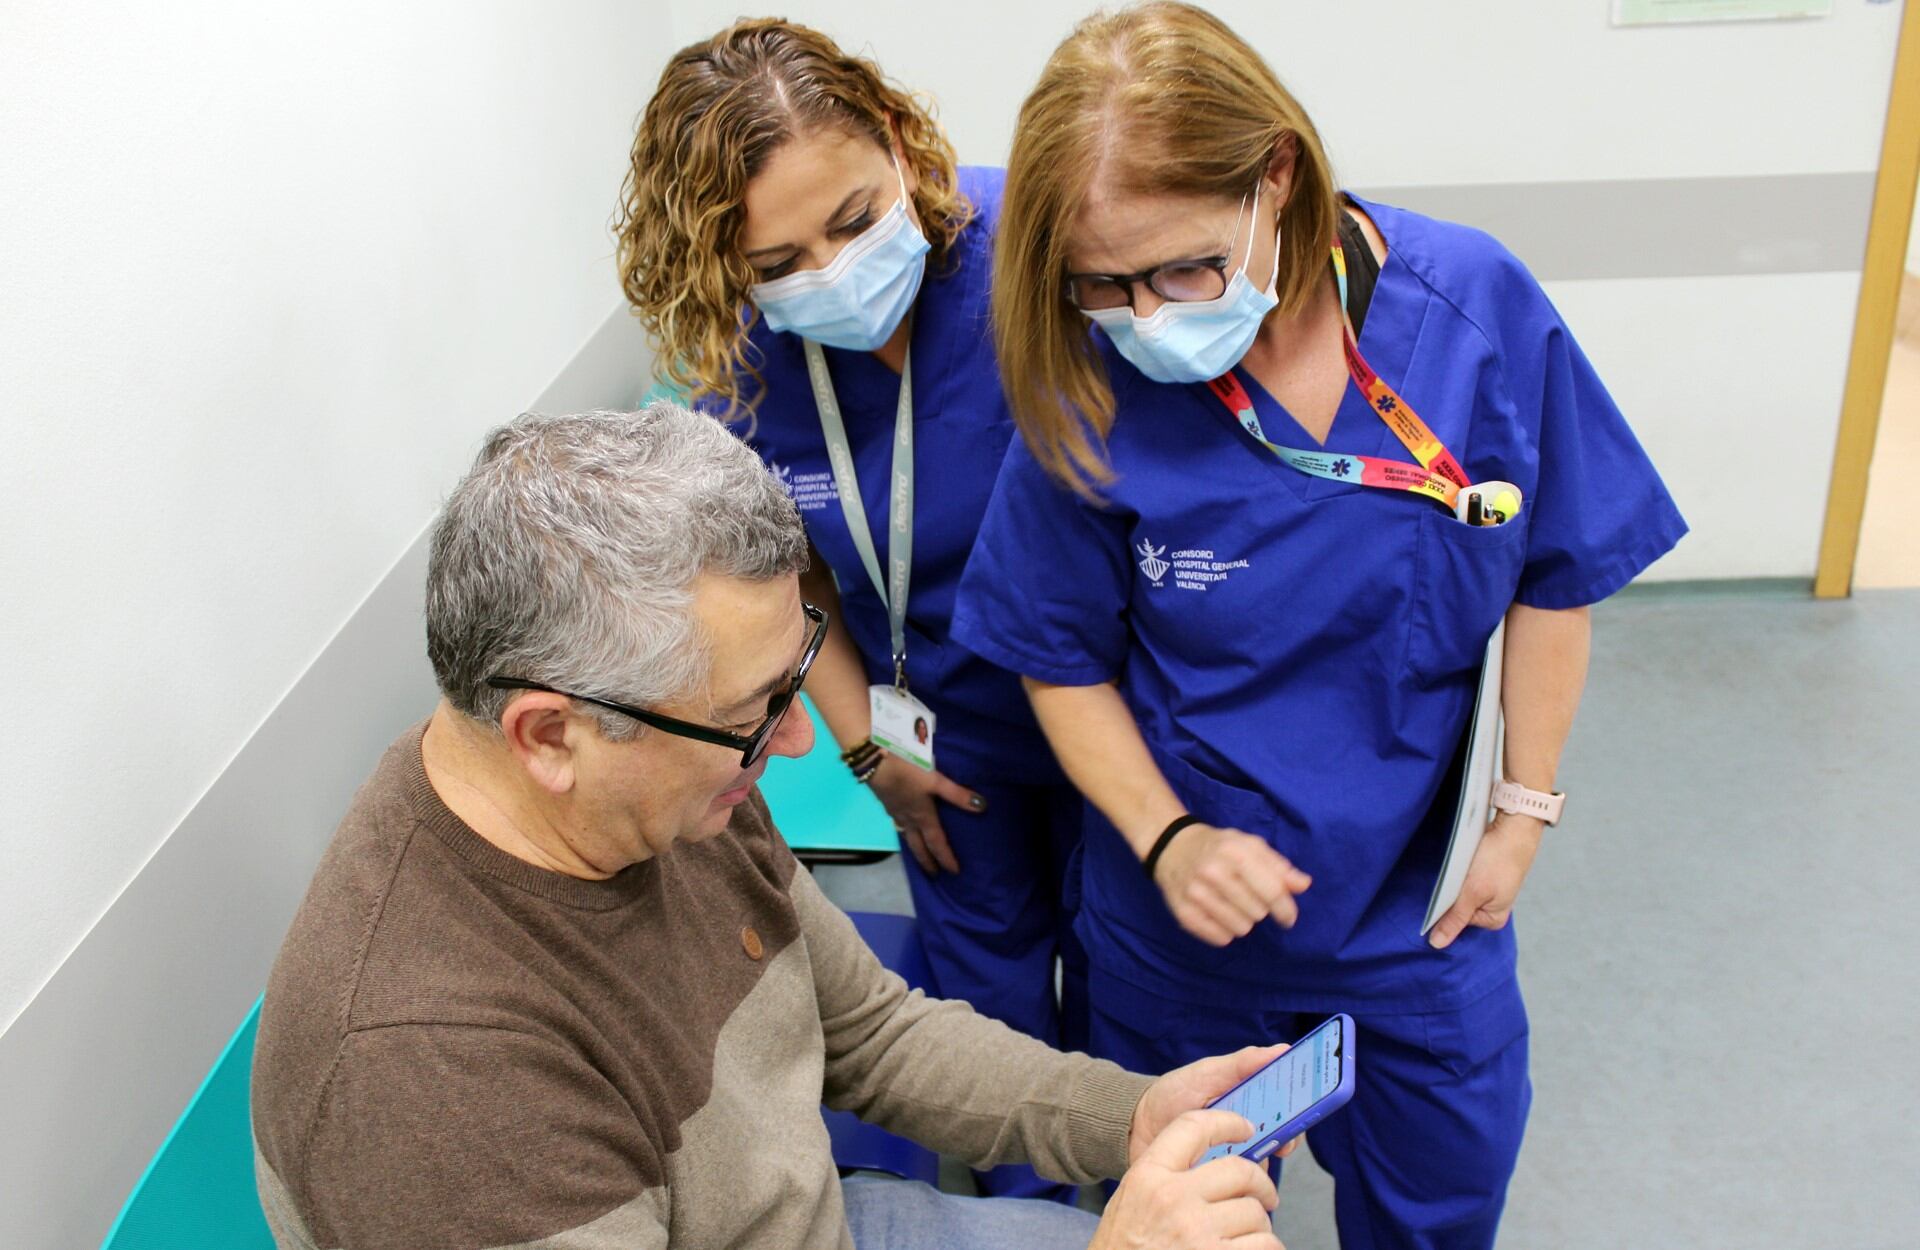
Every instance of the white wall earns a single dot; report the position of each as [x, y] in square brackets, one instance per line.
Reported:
[1411, 94]
[270, 269]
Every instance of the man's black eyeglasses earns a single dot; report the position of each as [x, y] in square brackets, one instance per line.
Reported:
[751, 746]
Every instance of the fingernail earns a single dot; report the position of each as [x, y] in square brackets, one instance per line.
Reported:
[977, 803]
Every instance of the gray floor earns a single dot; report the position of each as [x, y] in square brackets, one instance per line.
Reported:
[1721, 945]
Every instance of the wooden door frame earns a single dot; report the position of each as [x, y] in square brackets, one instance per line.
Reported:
[1873, 322]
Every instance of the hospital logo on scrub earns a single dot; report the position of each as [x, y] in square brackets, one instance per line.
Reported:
[1150, 562]
[810, 492]
[1190, 568]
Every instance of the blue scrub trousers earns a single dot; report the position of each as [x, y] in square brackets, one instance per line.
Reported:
[1421, 1156]
[994, 930]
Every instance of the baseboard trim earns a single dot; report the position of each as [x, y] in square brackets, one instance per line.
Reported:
[1721, 588]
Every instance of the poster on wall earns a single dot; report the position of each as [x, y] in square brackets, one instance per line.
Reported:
[1667, 12]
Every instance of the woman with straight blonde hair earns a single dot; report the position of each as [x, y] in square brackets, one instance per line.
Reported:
[1290, 459]
[814, 268]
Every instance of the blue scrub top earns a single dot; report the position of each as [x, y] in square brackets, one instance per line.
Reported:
[961, 433]
[1301, 654]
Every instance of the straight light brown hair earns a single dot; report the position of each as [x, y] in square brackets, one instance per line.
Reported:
[722, 108]
[1155, 99]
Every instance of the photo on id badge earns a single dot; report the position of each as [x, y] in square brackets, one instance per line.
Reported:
[902, 725]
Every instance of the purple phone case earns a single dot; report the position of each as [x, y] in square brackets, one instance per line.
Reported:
[1260, 1147]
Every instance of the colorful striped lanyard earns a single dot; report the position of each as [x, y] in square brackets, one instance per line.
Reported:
[1438, 476]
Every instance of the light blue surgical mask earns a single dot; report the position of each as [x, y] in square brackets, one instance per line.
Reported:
[1196, 340]
[858, 300]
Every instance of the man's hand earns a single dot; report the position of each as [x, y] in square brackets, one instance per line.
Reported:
[1192, 1088]
[1219, 883]
[1165, 1203]
[1499, 866]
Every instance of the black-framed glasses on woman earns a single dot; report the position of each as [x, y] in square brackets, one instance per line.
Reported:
[1177, 282]
[751, 746]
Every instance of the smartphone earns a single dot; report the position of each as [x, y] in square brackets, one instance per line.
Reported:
[1293, 1093]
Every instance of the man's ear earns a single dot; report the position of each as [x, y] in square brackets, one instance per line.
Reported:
[540, 730]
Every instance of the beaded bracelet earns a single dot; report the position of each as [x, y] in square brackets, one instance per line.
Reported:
[863, 758]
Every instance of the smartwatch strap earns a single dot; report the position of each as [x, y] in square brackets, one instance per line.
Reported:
[1511, 796]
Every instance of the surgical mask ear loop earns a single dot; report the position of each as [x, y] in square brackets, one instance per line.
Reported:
[1273, 282]
[900, 177]
[1238, 215]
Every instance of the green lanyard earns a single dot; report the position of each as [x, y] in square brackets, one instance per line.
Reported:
[893, 589]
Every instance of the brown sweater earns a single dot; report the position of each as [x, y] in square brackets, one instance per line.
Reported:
[459, 1049]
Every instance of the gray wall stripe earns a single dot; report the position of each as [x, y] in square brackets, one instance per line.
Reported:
[97, 1068]
[1663, 227]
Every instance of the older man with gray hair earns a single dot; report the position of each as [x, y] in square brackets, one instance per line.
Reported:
[559, 983]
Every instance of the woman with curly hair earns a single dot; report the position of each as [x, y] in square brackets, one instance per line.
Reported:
[812, 265]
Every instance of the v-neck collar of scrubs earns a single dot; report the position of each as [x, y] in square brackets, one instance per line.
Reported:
[1389, 340]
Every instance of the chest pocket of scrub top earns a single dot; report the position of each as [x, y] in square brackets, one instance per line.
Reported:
[1464, 581]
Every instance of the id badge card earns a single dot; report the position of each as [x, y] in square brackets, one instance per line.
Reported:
[902, 725]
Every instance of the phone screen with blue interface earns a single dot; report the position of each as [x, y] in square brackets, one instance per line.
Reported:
[1293, 1092]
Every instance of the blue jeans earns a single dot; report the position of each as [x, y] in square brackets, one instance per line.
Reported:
[889, 1214]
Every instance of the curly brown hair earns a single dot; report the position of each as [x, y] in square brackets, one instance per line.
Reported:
[723, 107]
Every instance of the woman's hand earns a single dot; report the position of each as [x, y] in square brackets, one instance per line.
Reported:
[1221, 882]
[1546, 668]
[1499, 867]
[909, 795]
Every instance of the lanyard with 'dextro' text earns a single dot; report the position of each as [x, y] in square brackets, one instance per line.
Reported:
[892, 589]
